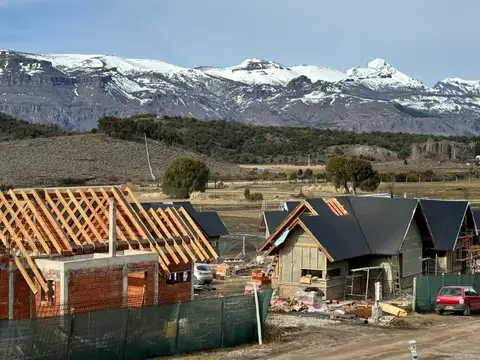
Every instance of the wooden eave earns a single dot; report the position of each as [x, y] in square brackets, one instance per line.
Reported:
[299, 209]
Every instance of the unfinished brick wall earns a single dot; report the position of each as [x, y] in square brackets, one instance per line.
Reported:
[95, 289]
[141, 284]
[172, 293]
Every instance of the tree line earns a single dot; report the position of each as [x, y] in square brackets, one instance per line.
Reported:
[15, 129]
[254, 144]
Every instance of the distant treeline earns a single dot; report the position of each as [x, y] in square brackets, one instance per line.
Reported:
[252, 144]
[13, 129]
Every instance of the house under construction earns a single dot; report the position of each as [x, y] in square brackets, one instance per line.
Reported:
[93, 248]
[343, 245]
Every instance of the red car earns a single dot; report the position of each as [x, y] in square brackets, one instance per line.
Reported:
[457, 299]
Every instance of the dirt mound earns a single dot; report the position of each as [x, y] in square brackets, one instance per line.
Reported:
[94, 158]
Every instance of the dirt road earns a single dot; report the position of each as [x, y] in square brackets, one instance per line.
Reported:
[292, 337]
[460, 340]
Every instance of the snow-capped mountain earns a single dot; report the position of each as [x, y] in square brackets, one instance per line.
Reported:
[75, 90]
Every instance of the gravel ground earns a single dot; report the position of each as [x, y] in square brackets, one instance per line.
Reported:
[289, 336]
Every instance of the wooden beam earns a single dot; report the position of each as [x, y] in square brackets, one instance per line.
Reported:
[72, 216]
[186, 231]
[141, 227]
[95, 213]
[78, 206]
[198, 231]
[175, 245]
[48, 216]
[20, 226]
[25, 275]
[100, 205]
[65, 225]
[36, 230]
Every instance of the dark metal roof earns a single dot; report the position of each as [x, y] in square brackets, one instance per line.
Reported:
[384, 222]
[290, 205]
[211, 223]
[444, 219]
[273, 219]
[341, 236]
[476, 216]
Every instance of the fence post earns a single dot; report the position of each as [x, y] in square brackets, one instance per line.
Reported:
[70, 332]
[177, 330]
[414, 300]
[222, 313]
[125, 341]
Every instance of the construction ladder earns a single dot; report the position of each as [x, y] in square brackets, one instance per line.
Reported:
[272, 266]
[395, 269]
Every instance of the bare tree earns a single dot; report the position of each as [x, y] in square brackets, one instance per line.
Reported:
[391, 183]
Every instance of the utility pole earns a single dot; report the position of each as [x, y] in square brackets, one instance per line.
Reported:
[308, 161]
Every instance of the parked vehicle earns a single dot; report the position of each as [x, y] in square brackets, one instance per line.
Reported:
[457, 299]
[202, 274]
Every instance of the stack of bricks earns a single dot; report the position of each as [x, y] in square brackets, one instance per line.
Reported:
[258, 277]
[220, 272]
[260, 280]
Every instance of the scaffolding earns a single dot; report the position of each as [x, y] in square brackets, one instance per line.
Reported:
[361, 273]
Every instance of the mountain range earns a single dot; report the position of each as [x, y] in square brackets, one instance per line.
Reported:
[74, 91]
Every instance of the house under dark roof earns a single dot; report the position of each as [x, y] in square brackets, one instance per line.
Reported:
[476, 216]
[273, 219]
[444, 219]
[210, 222]
[335, 234]
[290, 205]
[384, 221]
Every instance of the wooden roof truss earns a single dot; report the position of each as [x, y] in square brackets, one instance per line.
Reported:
[67, 221]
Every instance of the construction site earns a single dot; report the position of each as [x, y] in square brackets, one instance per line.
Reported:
[72, 259]
[90, 249]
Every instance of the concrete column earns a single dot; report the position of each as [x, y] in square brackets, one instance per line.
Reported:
[11, 288]
[125, 285]
[112, 228]
[64, 299]
[155, 283]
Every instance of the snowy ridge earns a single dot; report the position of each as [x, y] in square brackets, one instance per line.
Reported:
[73, 90]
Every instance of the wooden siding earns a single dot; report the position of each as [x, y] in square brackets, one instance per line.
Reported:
[299, 252]
[412, 252]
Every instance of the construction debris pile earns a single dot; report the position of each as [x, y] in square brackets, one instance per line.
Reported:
[308, 302]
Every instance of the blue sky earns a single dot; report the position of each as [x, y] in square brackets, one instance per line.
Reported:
[427, 39]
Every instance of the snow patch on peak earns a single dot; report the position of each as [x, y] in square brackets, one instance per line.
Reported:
[378, 74]
[378, 64]
[457, 86]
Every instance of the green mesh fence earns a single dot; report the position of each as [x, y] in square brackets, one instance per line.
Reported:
[135, 333]
[428, 286]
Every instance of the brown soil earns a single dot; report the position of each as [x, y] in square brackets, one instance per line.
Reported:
[90, 156]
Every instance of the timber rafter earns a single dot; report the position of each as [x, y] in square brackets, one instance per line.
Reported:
[62, 221]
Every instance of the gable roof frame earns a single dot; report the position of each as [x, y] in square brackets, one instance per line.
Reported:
[299, 209]
[460, 226]
[299, 222]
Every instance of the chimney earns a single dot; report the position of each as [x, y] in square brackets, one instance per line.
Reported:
[112, 228]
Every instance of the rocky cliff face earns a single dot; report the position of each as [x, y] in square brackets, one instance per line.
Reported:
[75, 90]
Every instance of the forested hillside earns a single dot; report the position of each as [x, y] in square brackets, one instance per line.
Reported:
[255, 144]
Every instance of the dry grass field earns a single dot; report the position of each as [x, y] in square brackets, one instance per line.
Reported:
[93, 157]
